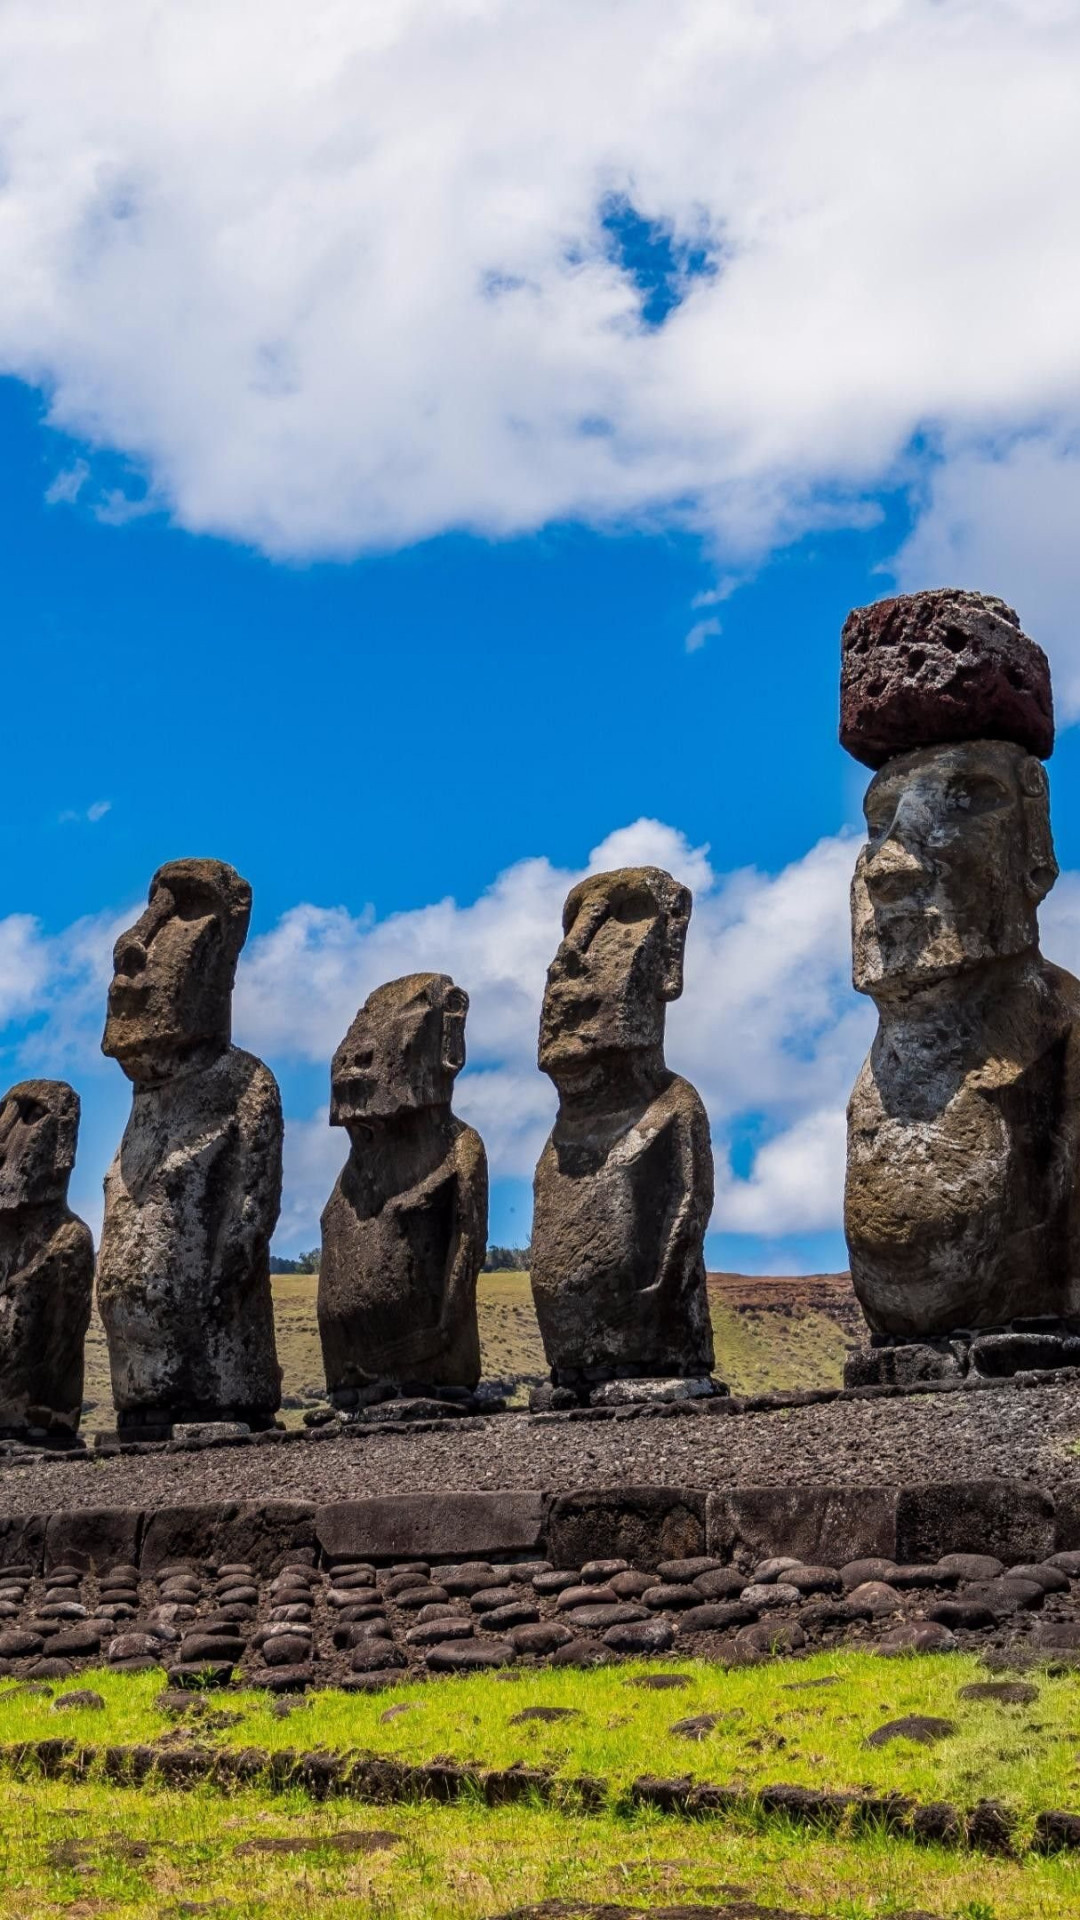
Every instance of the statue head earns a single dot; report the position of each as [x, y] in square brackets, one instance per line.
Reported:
[403, 1051]
[958, 856]
[619, 963]
[170, 1000]
[39, 1131]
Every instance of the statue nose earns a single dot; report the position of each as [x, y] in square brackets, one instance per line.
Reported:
[894, 870]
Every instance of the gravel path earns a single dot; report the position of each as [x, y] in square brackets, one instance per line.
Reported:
[1014, 1432]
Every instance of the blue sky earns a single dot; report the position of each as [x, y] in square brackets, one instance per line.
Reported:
[413, 580]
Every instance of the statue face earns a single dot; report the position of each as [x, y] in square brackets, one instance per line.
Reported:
[402, 1052]
[619, 963]
[958, 856]
[39, 1124]
[171, 992]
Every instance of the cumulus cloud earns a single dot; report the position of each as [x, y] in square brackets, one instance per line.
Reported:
[1006, 518]
[767, 1027]
[336, 277]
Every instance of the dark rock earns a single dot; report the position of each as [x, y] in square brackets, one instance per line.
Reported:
[1056, 1832]
[807, 1806]
[873, 1600]
[183, 1278]
[990, 1828]
[903, 1365]
[961, 1615]
[643, 1525]
[18, 1644]
[210, 1646]
[674, 1597]
[405, 1229]
[622, 1613]
[717, 1616]
[770, 1636]
[286, 1650]
[491, 1599]
[813, 1579]
[939, 666]
[938, 1824]
[917, 1636]
[1068, 1562]
[286, 1679]
[1050, 1579]
[690, 1569]
[1009, 1693]
[814, 1525]
[83, 1700]
[641, 1636]
[416, 1597]
[668, 1795]
[376, 1656]
[469, 1579]
[967, 1566]
[583, 1596]
[433, 1633]
[660, 1682]
[517, 1613]
[912, 1579]
[920, 1727]
[697, 1727]
[644, 1312]
[596, 1573]
[544, 1638]
[547, 1715]
[76, 1643]
[1059, 1635]
[1004, 1597]
[724, 1583]
[435, 1523]
[630, 1585]
[581, 1653]
[50, 1668]
[469, 1656]
[46, 1261]
[133, 1646]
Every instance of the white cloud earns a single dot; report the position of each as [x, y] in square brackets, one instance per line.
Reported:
[98, 811]
[701, 631]
[767, 1025]
[68, 484]
[335, 276]
[1007, 520]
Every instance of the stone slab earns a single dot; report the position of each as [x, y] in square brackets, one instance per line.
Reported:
[426, 1525]
[641, 1524]
[259, 1533]
[1008, 1518]
[822, 1526]
[93, 1537]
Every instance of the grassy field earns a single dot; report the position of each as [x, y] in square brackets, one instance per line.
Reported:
[89, 1849]
[768, 1333]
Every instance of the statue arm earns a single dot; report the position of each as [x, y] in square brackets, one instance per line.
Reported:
[692, 1193]
[468, 1244]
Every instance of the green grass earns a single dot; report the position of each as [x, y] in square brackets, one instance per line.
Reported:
[83, 1851]
[756, 1350]
[137, 1852]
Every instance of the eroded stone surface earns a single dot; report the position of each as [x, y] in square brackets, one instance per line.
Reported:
[192, 1197]
[405, 1230]
[963, 1125]
[944, 665]
[624, 1187]
[46, 1262]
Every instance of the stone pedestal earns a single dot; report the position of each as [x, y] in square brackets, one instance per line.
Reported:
[988, 1353]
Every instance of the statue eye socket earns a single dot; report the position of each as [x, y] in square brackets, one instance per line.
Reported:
[975, 794]
[30, 1112]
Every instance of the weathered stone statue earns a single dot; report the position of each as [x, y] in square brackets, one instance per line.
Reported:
[964, 1125]
[624, 1186]
[46, 1262]
[404, 1232]
[192, 1197]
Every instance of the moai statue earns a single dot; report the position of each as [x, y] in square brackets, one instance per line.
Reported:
[963, 1125]
[404, 1232]
[46, 1263]
[624, 1186]
[192, 1197]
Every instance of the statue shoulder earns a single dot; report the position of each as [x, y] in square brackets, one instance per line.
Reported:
[470, 1155]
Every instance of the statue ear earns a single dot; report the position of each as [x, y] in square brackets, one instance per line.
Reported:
[455, 1007]
[676, 922]
[1042, 866]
